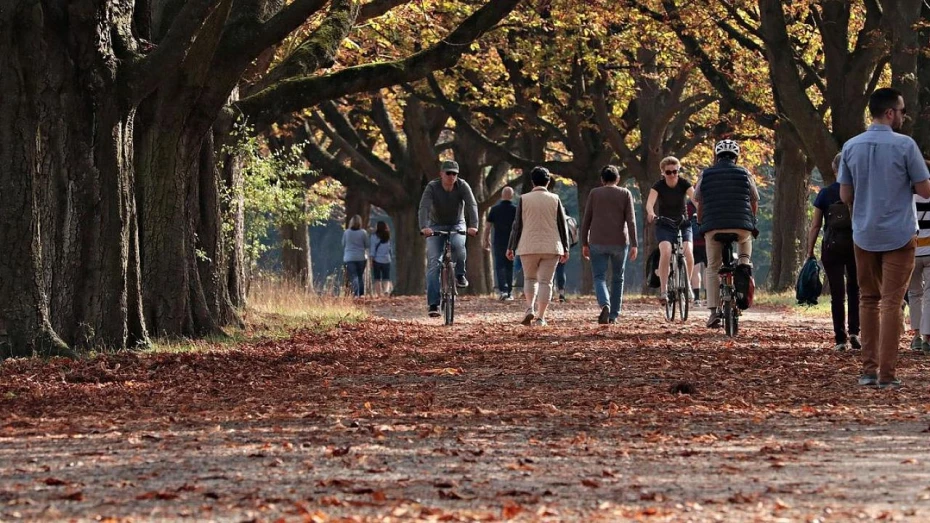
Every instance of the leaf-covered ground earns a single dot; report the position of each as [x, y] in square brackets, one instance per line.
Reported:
[400, 418]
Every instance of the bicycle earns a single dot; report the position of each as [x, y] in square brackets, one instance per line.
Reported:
[678, 294]
[727, 307]
[447, 287]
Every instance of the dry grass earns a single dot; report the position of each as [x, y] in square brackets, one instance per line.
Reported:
[275, 310]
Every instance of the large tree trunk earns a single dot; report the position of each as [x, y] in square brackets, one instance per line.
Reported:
[789, 230]
[65, 185]
[411, 252]
[168, 163]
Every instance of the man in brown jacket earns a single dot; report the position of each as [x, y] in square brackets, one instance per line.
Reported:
[608, 232]
[540, 237]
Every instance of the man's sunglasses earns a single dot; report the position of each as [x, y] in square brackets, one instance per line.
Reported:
[451, 173]
[669, 172]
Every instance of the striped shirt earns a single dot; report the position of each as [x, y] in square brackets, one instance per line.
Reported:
[922, 206]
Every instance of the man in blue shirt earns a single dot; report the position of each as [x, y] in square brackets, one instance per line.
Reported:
[500, 218]
[879, 171]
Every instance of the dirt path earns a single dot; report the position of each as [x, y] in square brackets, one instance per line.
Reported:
[402, 419]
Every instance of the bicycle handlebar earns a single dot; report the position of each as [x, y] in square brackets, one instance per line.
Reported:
[676, 224]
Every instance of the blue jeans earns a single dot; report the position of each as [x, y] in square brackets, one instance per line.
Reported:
[600, 256]
[434, 248]
[503, 270]
[356, 270]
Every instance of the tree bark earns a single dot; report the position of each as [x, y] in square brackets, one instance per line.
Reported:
[585, 186]
[66, 186]
[478, 263]
[295, 255]
[789, 230]
[411, 252]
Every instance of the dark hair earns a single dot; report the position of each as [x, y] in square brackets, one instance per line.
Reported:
[610, 174]
[883, 99]
[382, 232]
[540, 176]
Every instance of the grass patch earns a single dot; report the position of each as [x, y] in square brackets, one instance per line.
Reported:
[275, 310]
[787, 300]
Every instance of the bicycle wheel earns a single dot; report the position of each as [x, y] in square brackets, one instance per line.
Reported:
[671, 294]
[684, 293]
[730, 321]
[448, 283]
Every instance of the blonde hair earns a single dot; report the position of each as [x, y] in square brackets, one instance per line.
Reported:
[668, 160]
[836, 163]
[355, 223]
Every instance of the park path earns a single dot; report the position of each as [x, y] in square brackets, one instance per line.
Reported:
[402, 419]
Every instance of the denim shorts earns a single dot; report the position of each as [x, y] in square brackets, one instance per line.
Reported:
[380, 271]
[665, 233]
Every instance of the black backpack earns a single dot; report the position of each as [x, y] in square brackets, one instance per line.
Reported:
[838, 236]
[809, 285]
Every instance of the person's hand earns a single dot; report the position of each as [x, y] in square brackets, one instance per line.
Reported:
[426, 231]
[563, 258]
[586, 252]
[472, 231]
[650, 217]
[633, 252]
[510, 255]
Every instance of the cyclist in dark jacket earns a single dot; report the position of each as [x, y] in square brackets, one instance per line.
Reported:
[727, 201]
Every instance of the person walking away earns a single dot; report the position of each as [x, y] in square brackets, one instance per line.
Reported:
[560, 277]
[608, 234]
[879, 172]
[540, 237]
[839, 261]
[381, 259]
[500, 219]
[447, 205]
[727, 201]
[700, 254]
[918, 292]
[354, 254]
[671, 193]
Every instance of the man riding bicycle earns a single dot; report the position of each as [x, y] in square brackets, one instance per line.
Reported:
[447, 204]
[727, 202]
[671, 193]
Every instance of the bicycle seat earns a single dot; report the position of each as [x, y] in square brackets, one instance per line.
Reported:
[726, 237]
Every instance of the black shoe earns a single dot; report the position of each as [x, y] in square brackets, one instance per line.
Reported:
[854, 341]
[434, 311]
[612, 321]
[604, 316]
[460, 281]
[713, 321]
[562, 297]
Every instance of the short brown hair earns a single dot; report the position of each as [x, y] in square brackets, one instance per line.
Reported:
[668, 160]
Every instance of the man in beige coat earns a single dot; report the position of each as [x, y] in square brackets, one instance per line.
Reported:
[540, 238]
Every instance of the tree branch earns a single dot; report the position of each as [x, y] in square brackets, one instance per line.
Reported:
[376, 8]
[287, 96]
[382, 119]
[276, 29]
[147, 73]
[318, 50]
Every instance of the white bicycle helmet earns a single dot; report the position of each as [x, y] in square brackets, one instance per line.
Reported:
[726, 146]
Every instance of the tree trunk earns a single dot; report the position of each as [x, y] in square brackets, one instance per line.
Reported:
[232, 209]
[295, 255]
[168, 163]
[65, 186]
[585, 186]
[478, 263]
[647, 243]
[357, 203]
[411, 252]
[789, 231]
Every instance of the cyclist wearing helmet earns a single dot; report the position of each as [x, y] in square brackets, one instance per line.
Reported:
[727, 202]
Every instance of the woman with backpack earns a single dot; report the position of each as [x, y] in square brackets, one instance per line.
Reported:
[381, 259]
[839, 260]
